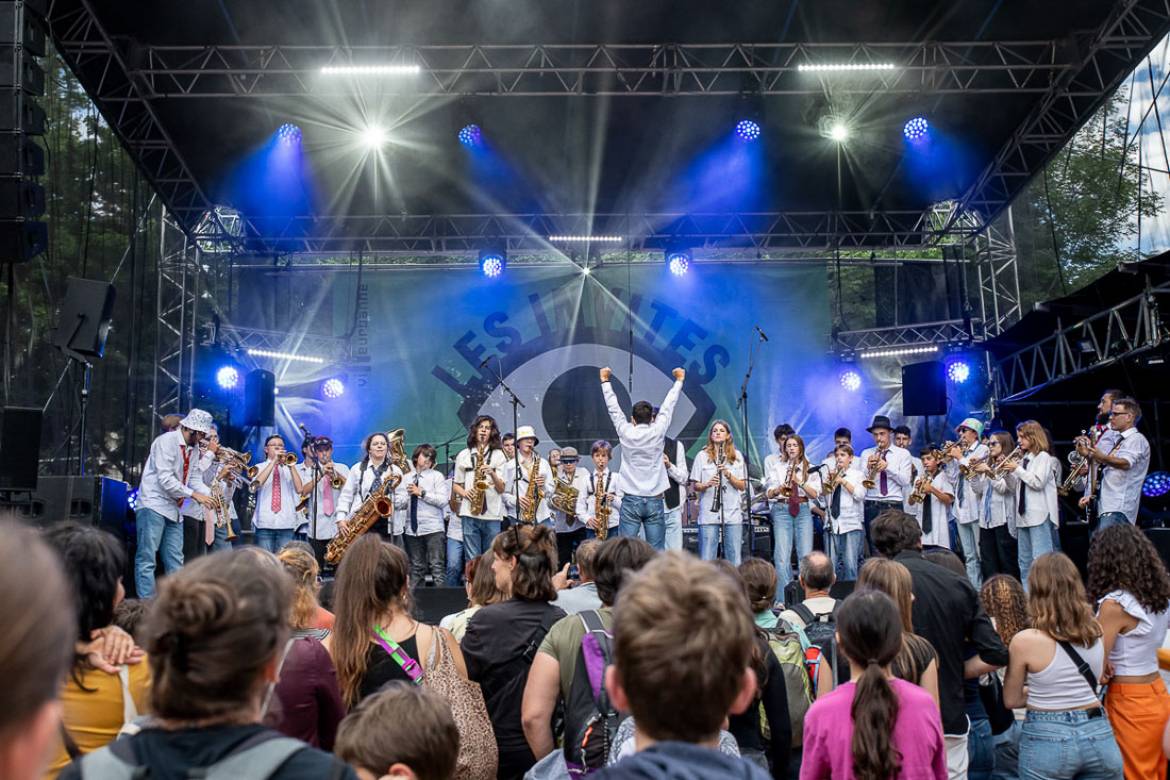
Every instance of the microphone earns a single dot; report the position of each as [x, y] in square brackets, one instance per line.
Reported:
[763, 336]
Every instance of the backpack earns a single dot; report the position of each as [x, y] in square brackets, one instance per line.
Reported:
[785, 643]
[590, 719]
[822, 651]
[258, 758]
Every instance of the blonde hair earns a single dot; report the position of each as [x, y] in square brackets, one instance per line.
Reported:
[302, 567]
[1035, 433]
[728, 447]
[1058, 603]
[894, 580]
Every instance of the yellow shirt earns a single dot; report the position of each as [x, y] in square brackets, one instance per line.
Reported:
[94, 717]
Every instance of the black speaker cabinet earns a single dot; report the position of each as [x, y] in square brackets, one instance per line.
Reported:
[924, 389]
[20, 447]
[260, 398]
[85, 317]
[101, 501]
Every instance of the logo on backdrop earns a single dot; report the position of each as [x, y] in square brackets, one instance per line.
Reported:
[549, 355]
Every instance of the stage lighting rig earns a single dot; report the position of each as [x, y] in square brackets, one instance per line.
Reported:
[492, 262]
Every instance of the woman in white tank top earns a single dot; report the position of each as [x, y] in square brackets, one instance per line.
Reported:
[1060, 661]
[1129, 581]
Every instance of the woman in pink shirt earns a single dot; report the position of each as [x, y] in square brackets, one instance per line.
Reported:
[874, 727]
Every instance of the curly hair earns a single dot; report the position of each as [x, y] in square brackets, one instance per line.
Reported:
[1003, 599]
[1122, 558]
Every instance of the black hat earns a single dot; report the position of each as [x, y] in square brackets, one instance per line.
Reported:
[904, 430]
[880, 421]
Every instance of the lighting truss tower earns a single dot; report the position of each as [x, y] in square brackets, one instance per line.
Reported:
[176, 313]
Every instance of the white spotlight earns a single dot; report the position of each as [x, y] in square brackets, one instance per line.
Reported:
[839, 132]
[373, 137]
[370, 70]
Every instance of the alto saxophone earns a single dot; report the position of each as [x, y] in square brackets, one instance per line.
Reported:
[534, 493]
[374, 508]
[603, 508]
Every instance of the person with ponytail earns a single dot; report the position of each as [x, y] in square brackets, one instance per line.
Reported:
[875, 727]
[502, 639]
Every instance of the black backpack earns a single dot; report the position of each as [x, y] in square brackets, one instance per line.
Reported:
[821, 631]
[590, 718]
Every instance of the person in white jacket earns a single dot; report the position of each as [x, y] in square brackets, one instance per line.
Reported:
[999, 552]
[1037, 513]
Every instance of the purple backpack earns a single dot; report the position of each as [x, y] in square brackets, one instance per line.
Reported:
[590, 719]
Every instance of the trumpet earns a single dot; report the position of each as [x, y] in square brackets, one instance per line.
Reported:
[831, 480]
[288, 459]
[870, 481]
[1079, 463]
[998, 470]
[943, 452]
[921, 486]
[969, 469]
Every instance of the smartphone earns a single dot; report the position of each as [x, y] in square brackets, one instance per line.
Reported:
[574, 574]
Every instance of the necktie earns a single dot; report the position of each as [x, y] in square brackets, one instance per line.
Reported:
[414, 510]
[987, 491]
[186, 466]
[327, 496]
[927, 515]
[793, 499]
[276, 489]
[884, 482]
[960, 490]
[835, 503]
[1023, 492]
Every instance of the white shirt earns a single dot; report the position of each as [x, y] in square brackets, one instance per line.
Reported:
[677, 470]
[452, 521]
[916, 471]
[326, 522]
[360, 484]
[642, 471]
[704, 470]
[430, 506]
[604, 482]
[543, 513]
[286, 518]
[778, 477]
[999, 502]
[1039, 482]
[199, 479]
[852, 501]
[773, 468]
[566, 523]
[968, 506]
[163, 477]
[897, 472]
[465, 463]
[1121, 489]
[940, 535]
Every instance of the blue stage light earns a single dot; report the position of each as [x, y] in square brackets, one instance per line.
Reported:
[747, 130]
[333, 388]
[1156, 485]
[916, 129]
[679, 262]
[851, 380]
[471, 135]
[958, 371]
[492, 263]
[132, 499]
[288, 133]
[228, 377]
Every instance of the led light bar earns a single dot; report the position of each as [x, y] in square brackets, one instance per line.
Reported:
[370, 70]
[586, 239]
[836, 67]
[268, 353]
[879, 353]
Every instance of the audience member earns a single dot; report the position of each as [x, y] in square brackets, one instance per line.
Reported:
[308, 702]
[95, 704]
[481, 591]
[761, 581]
[214, 638]
[502, 639]
[917, 662]
[1004, 601]
[582, 596]
[816, 578]
[375, 639]
[876, 726]
[683, 643]
[948, 615]
[551, 677]
[402, 731]
[1054, 669]
[1128, 581]
[36, 649]
[130, 614]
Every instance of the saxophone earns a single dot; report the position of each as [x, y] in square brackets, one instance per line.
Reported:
[603, 509]
[375, 507]
[478, 498]
[534, 493]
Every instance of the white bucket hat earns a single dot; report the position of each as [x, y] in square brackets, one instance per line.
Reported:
[197, 420]
[527, 432]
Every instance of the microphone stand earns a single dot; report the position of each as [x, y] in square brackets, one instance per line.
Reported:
[498, 374]
[742, 405]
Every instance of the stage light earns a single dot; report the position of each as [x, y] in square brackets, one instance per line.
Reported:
[492, 263]
[678, 261]
[958, 371]
[227, 377]
[333, 388]
[132, 499]
[747, 130]
[842, 67]
[916, 129]
[269, 353]
[1156, 485]
[288, 133]
[373, 137]
[851, 380]
[899, 351]
[471, 135]
[839, 132]
[580, 239]
[370, 70]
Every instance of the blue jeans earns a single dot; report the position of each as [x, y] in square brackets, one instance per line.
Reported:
[273, 539]
[647, 511]
[220, 542]
[980, 750]
[673, 522]
[732, 542]
[1107, 519]
[969, 539]
[784, 528]
[846, 552]
[454, 562]
[1007, 754]
[1034, 542]
[155, 532]
[478, 535]
[1057, 745]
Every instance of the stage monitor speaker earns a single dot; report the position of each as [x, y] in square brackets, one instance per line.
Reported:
[260, 398]
[20, 448]
[85, 317]
[434, 604]
[100, 501]
[924, 389]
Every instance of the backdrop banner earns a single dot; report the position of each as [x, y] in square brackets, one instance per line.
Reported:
[429, 348]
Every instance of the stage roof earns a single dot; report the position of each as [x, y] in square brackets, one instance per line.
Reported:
[603, 107]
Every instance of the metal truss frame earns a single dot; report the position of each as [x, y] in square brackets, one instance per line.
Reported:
[243, 339]
[1117, 333]
[997, 274]
[536, 70]
[177, 311]
[852, 343]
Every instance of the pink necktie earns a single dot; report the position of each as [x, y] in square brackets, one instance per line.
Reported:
[276, 489]
[328, 497]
